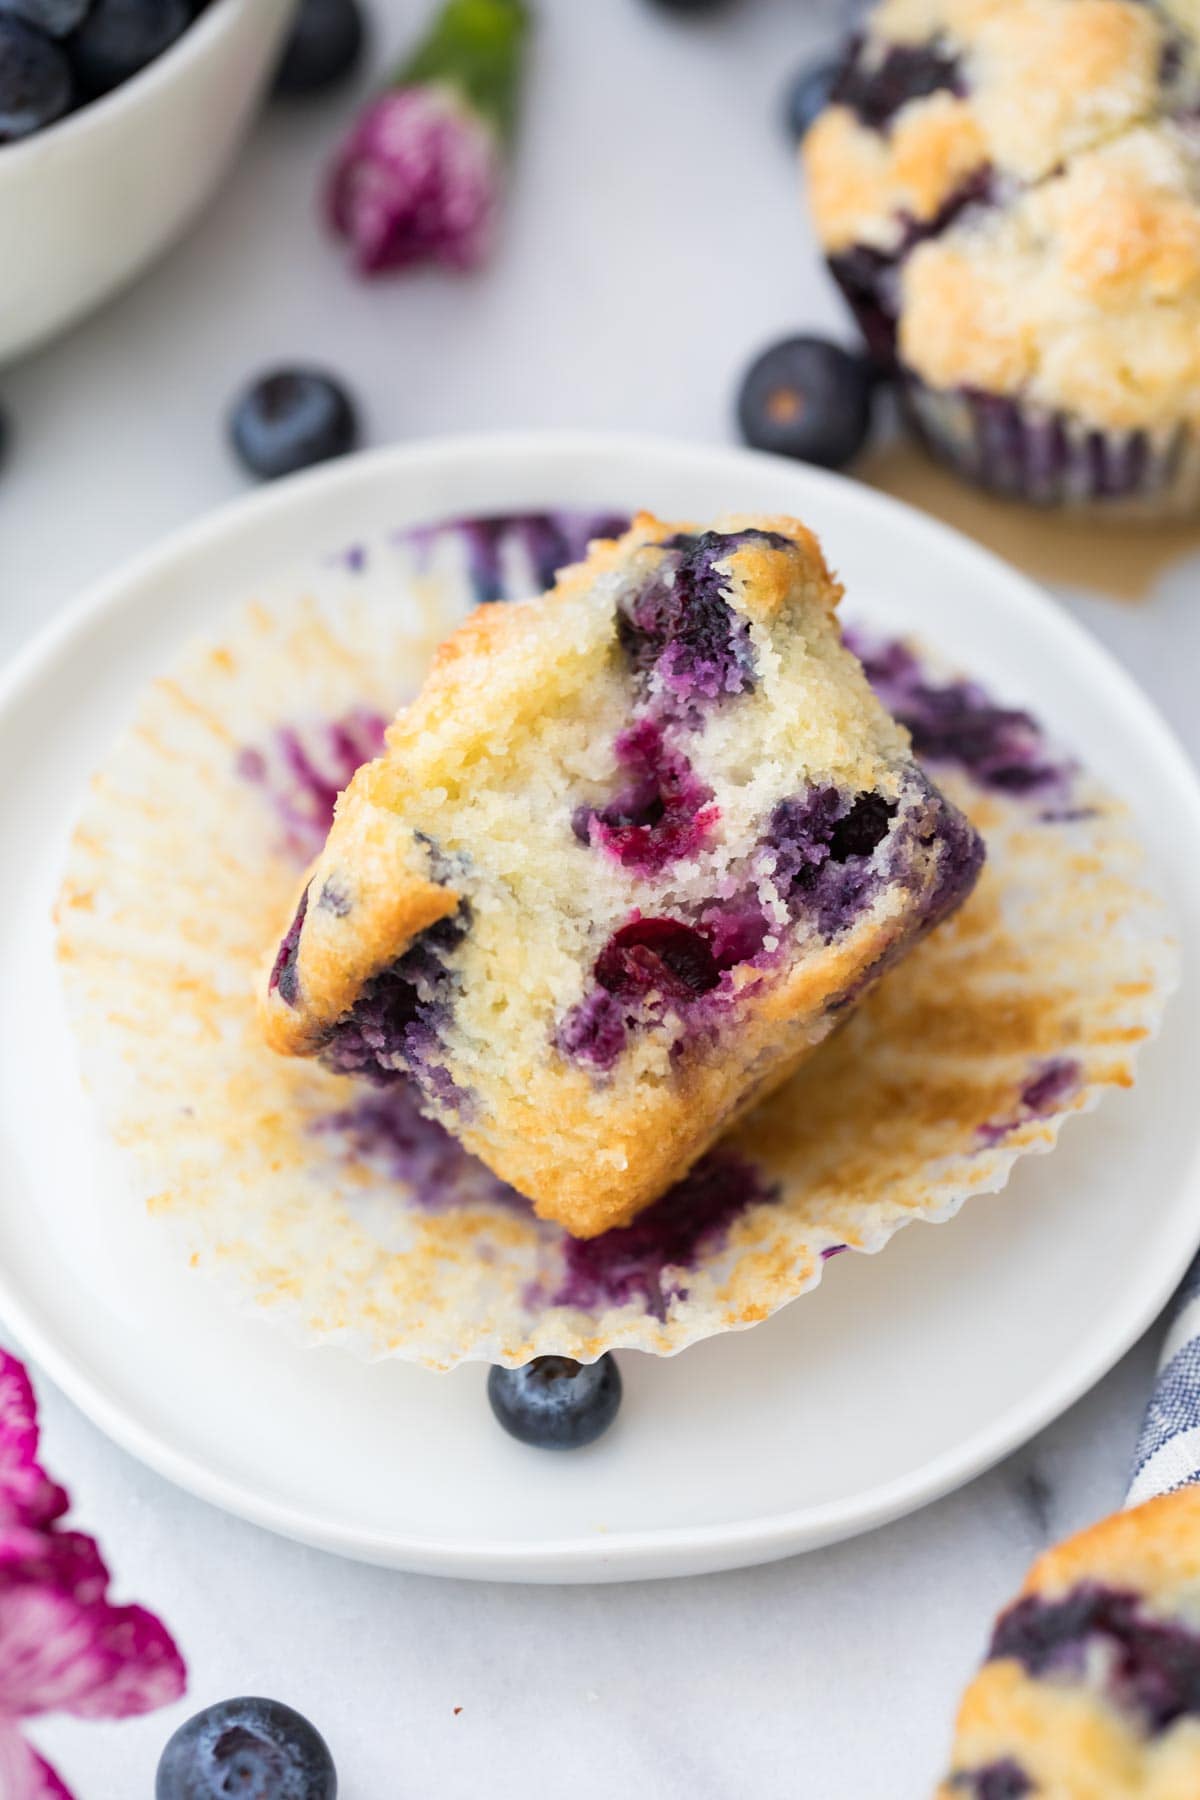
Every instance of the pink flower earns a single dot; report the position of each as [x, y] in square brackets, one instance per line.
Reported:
[64, 1647]
[420, 175]
[417, 180]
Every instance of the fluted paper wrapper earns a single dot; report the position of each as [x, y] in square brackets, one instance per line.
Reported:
[335, 1208]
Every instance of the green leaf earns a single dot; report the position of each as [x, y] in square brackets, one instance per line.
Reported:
[477, 46]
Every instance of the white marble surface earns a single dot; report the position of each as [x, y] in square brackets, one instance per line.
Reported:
[653, 243]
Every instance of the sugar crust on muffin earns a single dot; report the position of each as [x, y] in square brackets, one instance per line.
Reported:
[1025, 174]
[630, 854]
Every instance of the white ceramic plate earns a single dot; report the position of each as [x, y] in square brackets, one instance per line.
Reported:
[902, 1376]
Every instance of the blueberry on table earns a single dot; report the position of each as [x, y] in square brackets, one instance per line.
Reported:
[35, 80]
[120, 37]
[554, 1403]
[808, 94]
[695, 7]
[257, 1748]
[808, 398]
[57, 18]
[290, 419]
[325, 44]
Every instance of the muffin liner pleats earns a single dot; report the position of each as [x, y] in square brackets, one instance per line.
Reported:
[1045, 458]
[337, 1209]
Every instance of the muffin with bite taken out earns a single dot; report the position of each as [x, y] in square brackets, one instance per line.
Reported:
[634, 850]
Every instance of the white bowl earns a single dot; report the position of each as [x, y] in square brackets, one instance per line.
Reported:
[86, 204]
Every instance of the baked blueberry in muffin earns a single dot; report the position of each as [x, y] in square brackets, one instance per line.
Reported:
[630, 854]
[1092, 1682]
[1008, 192]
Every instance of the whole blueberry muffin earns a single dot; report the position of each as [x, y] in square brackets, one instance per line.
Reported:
[1008, 192]
[633, 850]
[1091, 1689]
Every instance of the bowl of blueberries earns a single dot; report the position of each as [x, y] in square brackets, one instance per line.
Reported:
[117, 120]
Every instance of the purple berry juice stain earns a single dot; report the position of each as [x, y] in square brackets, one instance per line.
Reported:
[547, 541]
[302, 768]
[691, 1222]
[388, 1130]
[353, 559]
[1042, 1094]
[956, 723]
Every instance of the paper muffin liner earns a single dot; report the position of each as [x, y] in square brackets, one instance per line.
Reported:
[1055, 459]
[338, 1209]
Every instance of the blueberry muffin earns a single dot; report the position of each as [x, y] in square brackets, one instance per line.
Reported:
[1008, 192]
[629, 855]
[1091, 1690]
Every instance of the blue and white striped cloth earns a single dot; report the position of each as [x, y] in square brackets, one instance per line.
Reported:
[1168, 1451]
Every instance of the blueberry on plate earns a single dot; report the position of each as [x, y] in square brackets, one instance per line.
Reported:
[35, 80]
[554, 1403]
[120, 37]
[259, 1748]
[808, 398]
[808, 94]
[290, 419]
[325, 45]
[57, 18]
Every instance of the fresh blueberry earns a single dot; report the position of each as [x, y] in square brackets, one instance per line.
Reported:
[258, 1748]
[554, 1403]
[291, 418]
[119, 37]
[807, 398]
[35, 81]
[57, 18]
[808, 94]
[325, 44]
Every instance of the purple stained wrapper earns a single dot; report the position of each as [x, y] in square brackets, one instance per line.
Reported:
[1023, 451]
[330, 1204]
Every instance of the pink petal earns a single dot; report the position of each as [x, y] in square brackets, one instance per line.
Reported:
[63, 1647]
[18, 1410]
[50, 1658]
[145, 1669]
[68, 1561]
[27, 1494]
[24, 1775]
